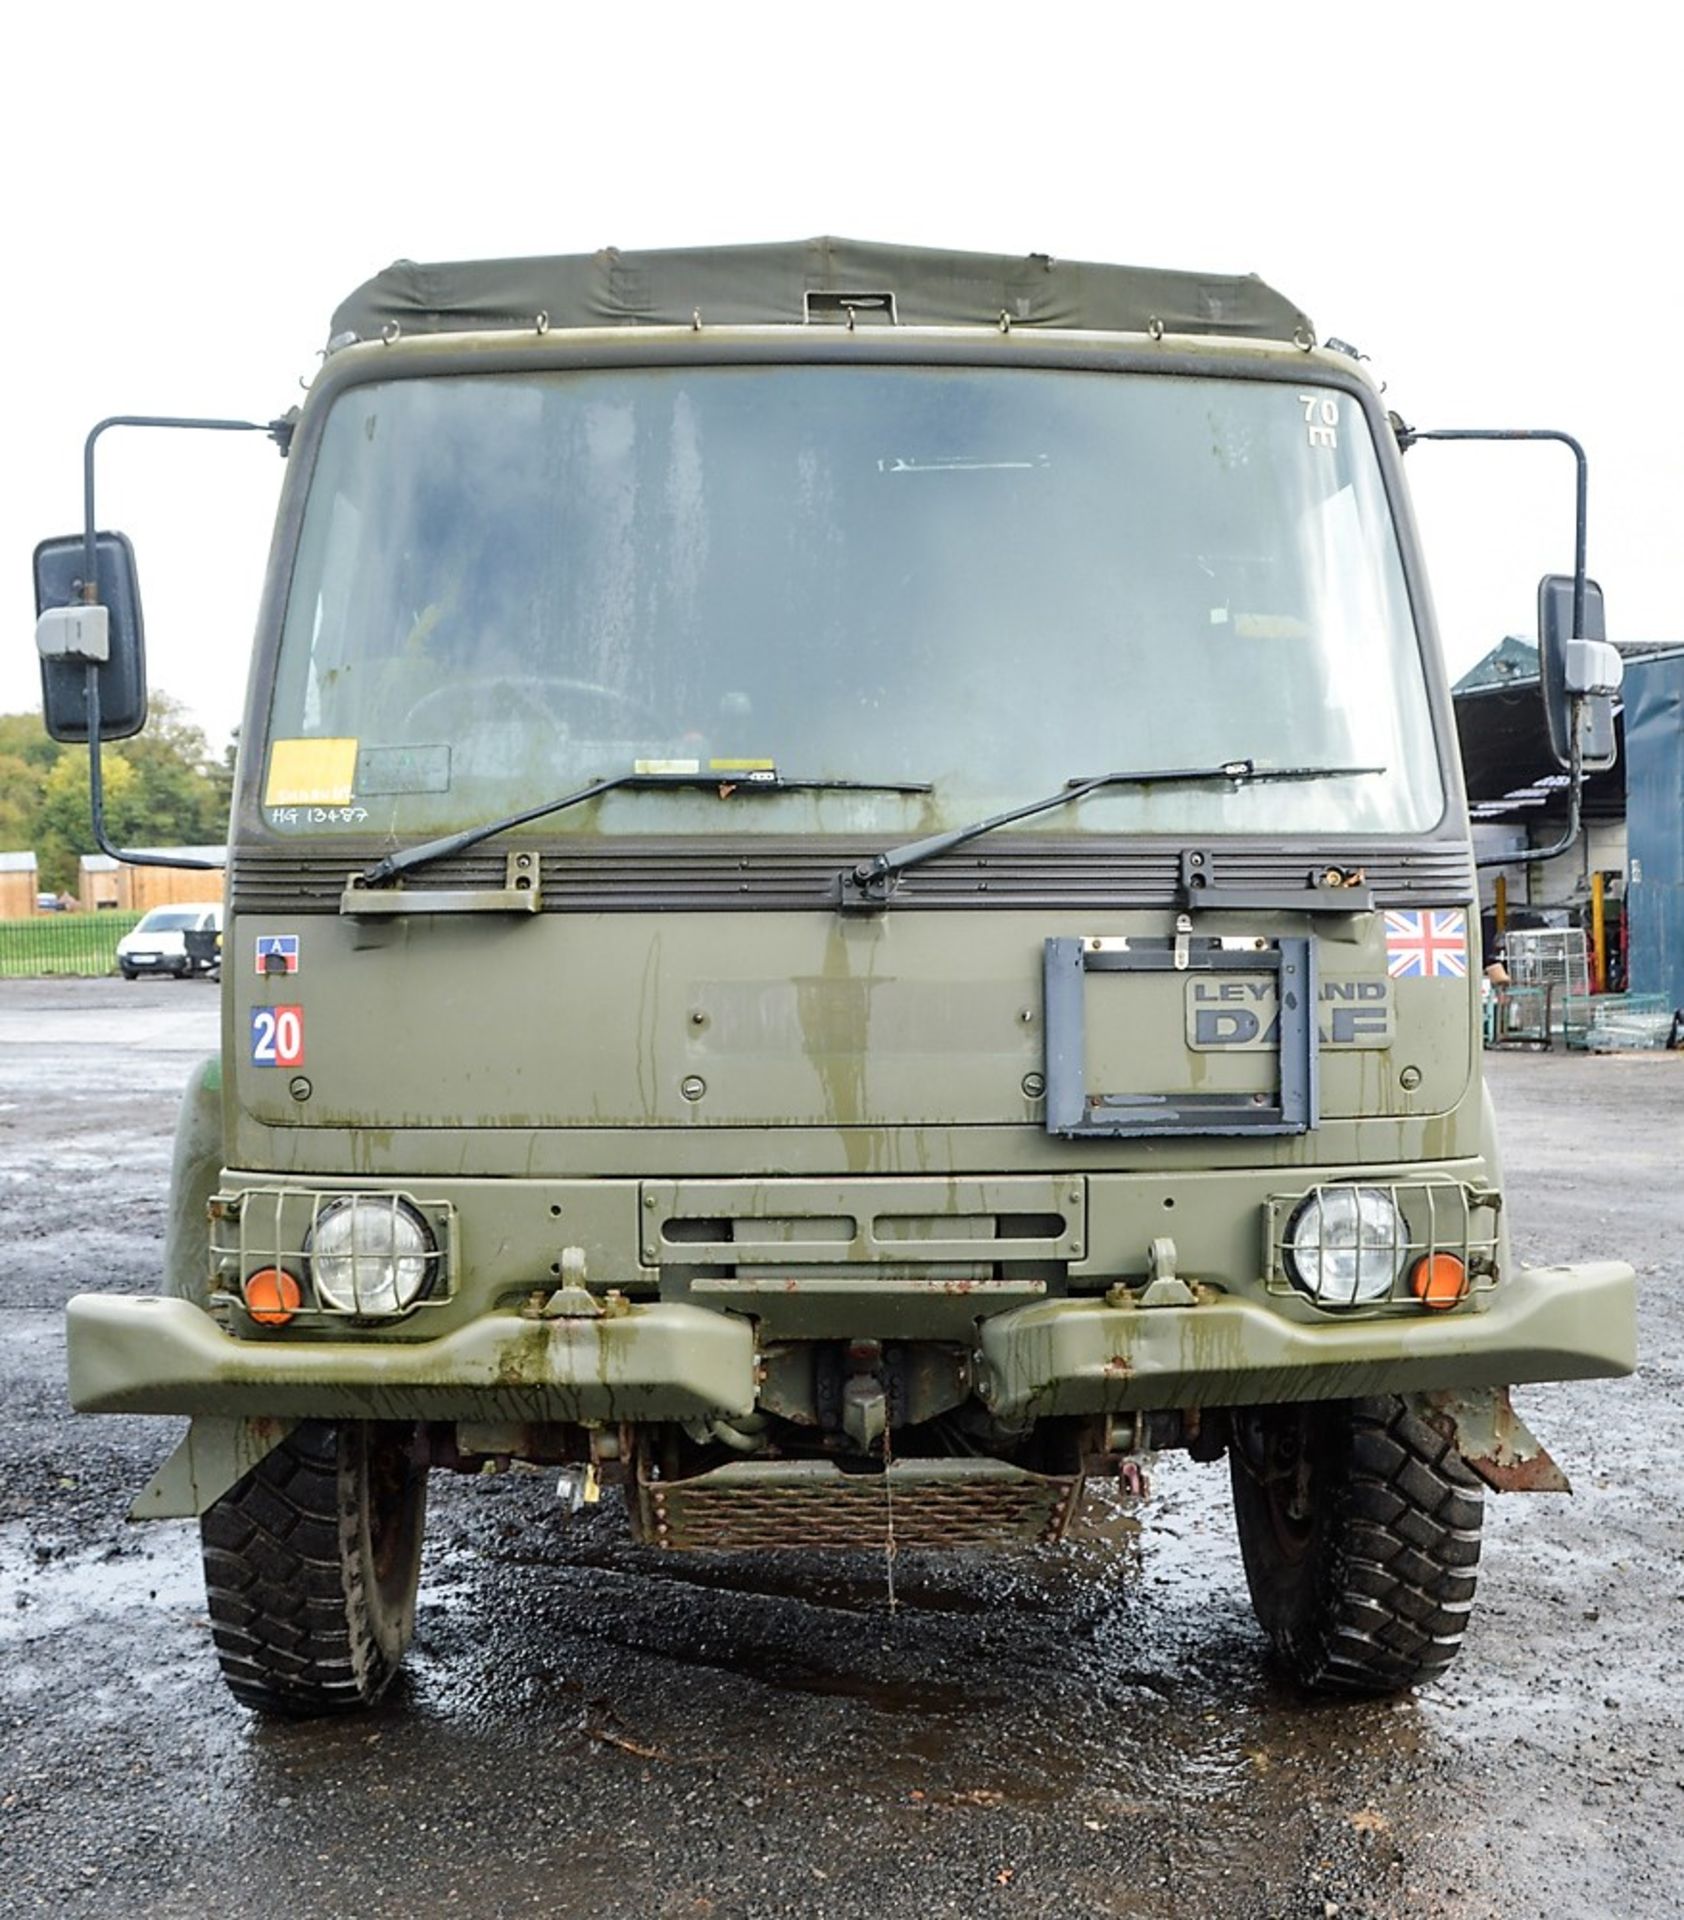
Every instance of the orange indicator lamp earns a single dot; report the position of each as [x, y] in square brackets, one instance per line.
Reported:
[273, 1296]
[1438, 1280]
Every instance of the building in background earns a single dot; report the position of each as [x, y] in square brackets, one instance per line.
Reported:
[1654, 704]
[18, 885]
[1626, 869]
[102, 882]
[96, 882]
[1517, 793]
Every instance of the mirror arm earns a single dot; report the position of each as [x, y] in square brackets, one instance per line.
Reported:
[96, 800]
[1407, 436]
[1575, 797]
[280, 431]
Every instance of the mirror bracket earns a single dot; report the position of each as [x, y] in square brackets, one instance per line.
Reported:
[76, 627]
[1588, 716]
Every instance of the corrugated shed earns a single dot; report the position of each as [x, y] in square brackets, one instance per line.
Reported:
[1654, 746]
[1511, 660]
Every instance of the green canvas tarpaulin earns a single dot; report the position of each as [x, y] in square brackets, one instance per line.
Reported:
[805, 280]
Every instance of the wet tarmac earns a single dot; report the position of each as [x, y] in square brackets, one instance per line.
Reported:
[585, 1729]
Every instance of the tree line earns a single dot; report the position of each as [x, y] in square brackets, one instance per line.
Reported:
[163, 788]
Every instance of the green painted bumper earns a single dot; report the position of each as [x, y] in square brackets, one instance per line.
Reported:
[659, 1362]
[672, 1361]
[1082, 1356]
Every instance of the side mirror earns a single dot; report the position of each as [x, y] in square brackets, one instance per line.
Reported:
[71, 635]
[1581, 673]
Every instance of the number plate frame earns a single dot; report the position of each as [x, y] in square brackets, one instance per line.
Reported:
[1076, 1113]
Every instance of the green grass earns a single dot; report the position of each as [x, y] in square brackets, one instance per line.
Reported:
[73, 943]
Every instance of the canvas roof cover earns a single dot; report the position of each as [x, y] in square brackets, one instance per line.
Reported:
[770, 285]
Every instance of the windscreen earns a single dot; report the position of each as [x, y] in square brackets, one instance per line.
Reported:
[991, 580]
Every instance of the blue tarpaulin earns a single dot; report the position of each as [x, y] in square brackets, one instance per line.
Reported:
[1654, 703]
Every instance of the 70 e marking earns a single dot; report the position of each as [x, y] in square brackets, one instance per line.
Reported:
[1321, 418]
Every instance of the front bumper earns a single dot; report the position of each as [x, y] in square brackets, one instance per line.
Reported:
[148, 1354]
[670, 1361]
[1082, 1356]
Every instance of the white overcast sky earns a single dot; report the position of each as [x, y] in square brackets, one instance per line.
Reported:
[1484, 198]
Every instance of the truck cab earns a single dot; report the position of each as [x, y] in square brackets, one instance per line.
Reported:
[850, 904]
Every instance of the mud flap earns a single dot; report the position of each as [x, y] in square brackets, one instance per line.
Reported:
[213, 1453]
[1491, 1437]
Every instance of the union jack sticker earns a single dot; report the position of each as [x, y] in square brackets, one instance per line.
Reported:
[1428, 945]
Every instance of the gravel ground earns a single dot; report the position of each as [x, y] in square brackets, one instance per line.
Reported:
[581, 1731]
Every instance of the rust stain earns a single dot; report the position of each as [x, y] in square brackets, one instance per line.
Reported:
[1494, 1441]
[1536, 1473]
[523, 1361]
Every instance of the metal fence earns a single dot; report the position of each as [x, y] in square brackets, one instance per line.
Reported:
[1557, 958]
[62, 943]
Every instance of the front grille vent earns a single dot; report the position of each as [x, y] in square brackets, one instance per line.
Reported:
[1045, 875]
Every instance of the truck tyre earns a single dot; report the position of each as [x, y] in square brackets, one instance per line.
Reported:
[311, 1567]
[1359, 1528]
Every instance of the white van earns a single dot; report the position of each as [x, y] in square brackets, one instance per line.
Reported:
[159, 944]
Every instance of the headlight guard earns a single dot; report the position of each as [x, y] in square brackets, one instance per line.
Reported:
[364, 1257]
[1368, 1245]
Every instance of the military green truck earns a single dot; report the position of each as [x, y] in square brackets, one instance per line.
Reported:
[850, 905]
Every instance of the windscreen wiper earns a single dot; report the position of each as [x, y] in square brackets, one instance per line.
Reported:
[727, 783]
[867, 887]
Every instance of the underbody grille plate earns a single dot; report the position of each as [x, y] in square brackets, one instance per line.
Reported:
[761, 1505]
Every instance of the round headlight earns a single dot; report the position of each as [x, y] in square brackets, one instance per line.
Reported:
[370, 1254]
[1346, 1245]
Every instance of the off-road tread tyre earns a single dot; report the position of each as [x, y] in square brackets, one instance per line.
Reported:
[311, 1567]
[1378, 1594]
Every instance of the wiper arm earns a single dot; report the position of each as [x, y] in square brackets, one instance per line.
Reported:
[727, 783]
[868, 884]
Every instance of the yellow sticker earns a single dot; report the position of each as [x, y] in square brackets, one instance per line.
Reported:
[742, 766]
[311, 773]
[1270, 626]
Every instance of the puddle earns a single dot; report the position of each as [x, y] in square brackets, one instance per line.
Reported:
[44, 1591]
